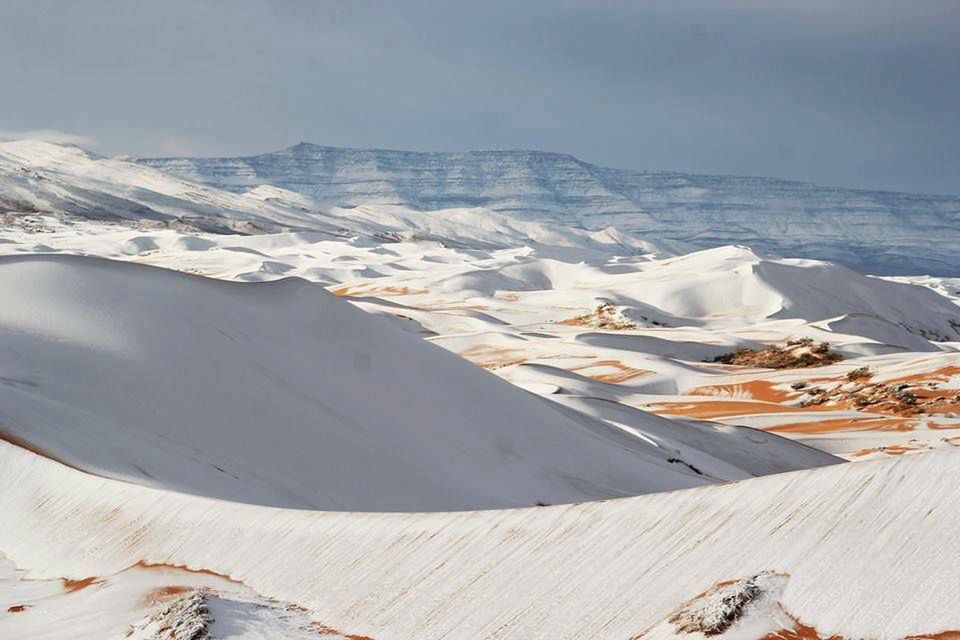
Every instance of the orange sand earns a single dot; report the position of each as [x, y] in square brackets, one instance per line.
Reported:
[757, 389]
[76, 585]
[623, 373]
[846, 424]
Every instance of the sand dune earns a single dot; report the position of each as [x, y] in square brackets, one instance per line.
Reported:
[241, 414]
[277, 393]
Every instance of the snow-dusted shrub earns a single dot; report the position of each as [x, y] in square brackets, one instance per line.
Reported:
[719, 609]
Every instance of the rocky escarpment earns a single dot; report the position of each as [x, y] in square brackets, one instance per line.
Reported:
[879, 232]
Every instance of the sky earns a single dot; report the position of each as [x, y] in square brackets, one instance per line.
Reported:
[838, 92]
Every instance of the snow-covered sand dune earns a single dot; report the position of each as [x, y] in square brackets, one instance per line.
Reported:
[283, 394]
[217, 455]
[506, 309]
[864, 550]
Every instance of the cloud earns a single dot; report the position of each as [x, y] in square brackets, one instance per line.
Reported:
[49, 135]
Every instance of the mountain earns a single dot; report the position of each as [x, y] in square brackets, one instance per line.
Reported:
[337, 191]
[874, 231]
[43, 178]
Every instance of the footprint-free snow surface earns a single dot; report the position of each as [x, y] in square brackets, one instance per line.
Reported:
[283, 394]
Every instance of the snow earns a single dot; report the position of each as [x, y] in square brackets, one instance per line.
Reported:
[874, 231]
[277, 393]
[869, 550]
[227, 431]
[420, 286]
[46, 178]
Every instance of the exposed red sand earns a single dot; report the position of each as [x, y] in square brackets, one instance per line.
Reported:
[725, 408]
[591, 322]
[605, 316]
[340, 291]
[801, 631]
[763, 396]
[845, 424]
[498, 357]
[499, 364]
[324, 630]
[369, 290]
[891, 450]
[763, 390]
[689, 617]
[685, 624]
[927, 397]
[933, 399]
[716, 587]
[943, 374]
[206, 572]
[623, 373]
[493, 357]
[76, 585]
[939, 426]
[161, 594]
[794, 355]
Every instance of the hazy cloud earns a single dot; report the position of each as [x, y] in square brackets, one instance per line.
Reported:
[49, 135]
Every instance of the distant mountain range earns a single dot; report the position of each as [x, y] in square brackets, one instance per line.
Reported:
[874, 231]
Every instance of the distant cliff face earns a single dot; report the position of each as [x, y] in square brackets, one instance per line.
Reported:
[878, 232]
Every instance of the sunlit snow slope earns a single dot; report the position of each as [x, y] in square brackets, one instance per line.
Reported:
[864, 550]
[283, 394]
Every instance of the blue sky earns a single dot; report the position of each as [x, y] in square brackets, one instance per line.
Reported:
[862, 94]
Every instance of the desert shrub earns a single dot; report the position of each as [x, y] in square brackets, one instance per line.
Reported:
[822, 348]
[794, 356]
[859, 373]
